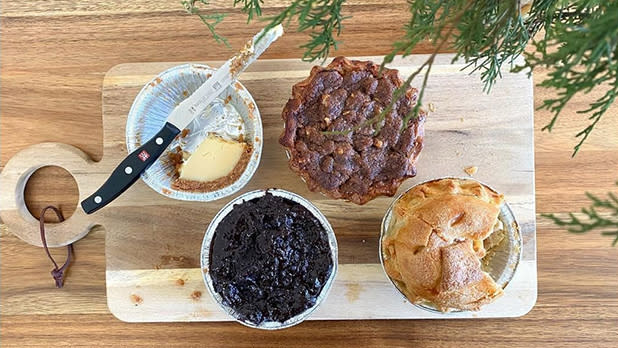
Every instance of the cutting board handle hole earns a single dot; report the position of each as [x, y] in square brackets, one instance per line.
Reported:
[51, 185]
[41, 175]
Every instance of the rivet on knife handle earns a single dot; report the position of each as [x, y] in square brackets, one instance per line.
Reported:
[130, 169]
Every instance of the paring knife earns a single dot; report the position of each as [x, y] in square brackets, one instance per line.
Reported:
[130, 169]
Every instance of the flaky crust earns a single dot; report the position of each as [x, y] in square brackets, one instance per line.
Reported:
[361, 164]
[434, 248]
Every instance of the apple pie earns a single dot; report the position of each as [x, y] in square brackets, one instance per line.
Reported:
[433, 250]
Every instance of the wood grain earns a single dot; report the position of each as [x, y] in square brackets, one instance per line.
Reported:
[56, 52]
[149, 245]
[152, 241]
[42, 194]
[14, 178]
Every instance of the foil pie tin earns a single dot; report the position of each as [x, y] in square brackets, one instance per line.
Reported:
[504, 259]
[232, 114]
[208, 238]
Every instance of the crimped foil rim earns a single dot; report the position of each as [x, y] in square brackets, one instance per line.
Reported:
[155, 182]
[513, 233]
[207, 241]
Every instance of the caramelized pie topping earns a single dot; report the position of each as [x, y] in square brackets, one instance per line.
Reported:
[331, 139]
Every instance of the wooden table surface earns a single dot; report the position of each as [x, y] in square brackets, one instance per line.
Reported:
[54, 56]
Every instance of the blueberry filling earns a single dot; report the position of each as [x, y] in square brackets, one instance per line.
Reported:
[270, 259]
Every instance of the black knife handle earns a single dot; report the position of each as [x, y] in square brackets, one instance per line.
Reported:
[130, 169]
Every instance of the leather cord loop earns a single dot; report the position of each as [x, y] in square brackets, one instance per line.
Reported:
[57, 273]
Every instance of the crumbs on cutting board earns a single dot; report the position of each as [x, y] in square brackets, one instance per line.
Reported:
[196, 295]
[471, 170]
[136, 299]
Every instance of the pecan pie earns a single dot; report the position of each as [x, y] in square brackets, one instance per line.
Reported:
[439, 234]
[339, 140]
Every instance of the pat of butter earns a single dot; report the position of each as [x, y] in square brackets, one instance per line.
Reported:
[214, 158]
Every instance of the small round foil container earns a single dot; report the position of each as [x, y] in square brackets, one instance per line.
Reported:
[232, 114]
[208, 238]
[502, 264]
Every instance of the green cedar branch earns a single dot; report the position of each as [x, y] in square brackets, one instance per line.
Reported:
[580, 48]
[322, 18]
[209, 19]
[606, 222]
[253, 8]
[579, 45]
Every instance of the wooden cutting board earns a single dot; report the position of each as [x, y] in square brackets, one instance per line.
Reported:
[153, 242]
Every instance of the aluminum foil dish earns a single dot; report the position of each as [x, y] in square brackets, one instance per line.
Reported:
[450, 245]
[269, 258]
[233, 115]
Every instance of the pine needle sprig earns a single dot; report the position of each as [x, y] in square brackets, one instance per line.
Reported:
[606, 222]
[427, 22]
[450, 22]
[483, 36]
[578, 47]
[322, 18]
[489, 36]
[209, 19]
[252, 8]
[329, 19]
[581, 51]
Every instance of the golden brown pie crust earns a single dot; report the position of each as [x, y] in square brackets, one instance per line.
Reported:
[434, 247]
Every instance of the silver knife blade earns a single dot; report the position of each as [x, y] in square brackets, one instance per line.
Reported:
[191, 107]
